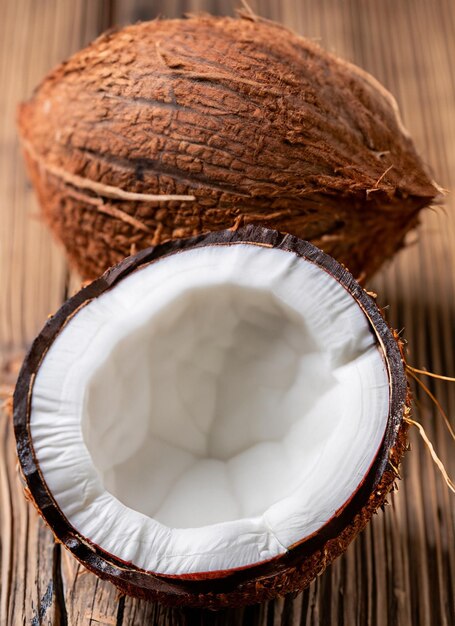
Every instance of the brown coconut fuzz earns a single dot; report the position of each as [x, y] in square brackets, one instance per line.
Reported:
[292, 568]
[258, 124]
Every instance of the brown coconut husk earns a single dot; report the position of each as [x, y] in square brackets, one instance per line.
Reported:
[286, 573]
[231, 121]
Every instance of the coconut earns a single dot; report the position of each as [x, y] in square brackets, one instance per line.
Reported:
[213, 421]
[229, 122]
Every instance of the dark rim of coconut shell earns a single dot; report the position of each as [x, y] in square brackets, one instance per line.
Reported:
[140, 582]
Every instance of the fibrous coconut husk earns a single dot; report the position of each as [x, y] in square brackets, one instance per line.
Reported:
[253, 122]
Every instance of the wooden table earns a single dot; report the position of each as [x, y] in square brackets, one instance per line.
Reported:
[401, 570]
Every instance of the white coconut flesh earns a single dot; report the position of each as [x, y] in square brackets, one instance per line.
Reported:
[214, 408]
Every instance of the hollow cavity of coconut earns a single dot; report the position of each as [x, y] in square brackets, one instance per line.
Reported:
[238, 121]
[212, 421]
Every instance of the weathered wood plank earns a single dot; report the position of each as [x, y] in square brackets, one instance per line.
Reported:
[34, 36]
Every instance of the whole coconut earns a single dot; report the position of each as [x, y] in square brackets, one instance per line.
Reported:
[232, 121]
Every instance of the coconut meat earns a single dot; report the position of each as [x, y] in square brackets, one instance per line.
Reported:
[211, 410]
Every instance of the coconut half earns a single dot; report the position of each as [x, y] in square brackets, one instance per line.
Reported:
[213, 420]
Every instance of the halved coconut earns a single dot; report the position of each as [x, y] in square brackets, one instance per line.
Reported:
[212, 421]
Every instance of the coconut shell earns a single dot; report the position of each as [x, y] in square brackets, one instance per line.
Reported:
[286, 573]
[251, 121]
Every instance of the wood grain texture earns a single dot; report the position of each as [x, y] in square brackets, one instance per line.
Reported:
[401, 570]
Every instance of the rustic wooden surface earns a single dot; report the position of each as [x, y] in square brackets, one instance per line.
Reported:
[401, 570]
